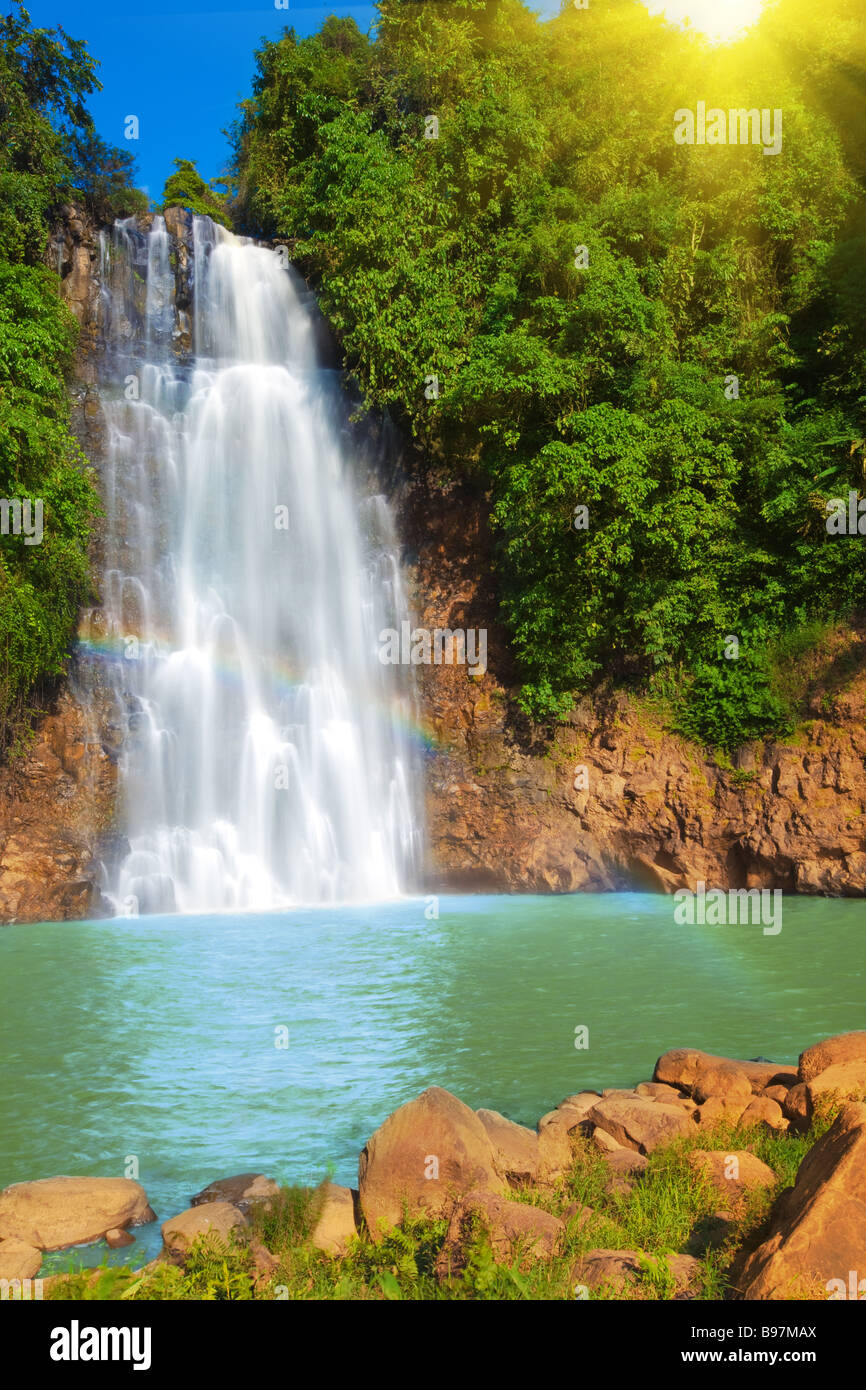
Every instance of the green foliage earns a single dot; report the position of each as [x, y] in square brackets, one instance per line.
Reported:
[731, 703]
[186, 188]
[603, 386]
[44, 76]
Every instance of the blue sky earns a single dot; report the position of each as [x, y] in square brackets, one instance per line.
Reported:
[181, 68]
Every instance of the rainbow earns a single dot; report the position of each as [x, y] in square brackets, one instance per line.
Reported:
[279, 675]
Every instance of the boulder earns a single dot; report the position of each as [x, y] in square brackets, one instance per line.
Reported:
[335, 1226]
[680, 1067]
[763, 1110]
[732, 1175]
[797, 1107]
[721, 1080]
[776, 1093]
[720, 1108]
[615, 1270]
[18, 1260]
[818, 1229]
[625, 1163]
[54, 1213]
[265, 1264]
[607, 1269]
[117, 1239]
[242, 1191]
[638, 1123]
[832, 1052]
[219, 1219]
[428, 1152]
[658, 1090]
[842, 1081]
[582, 1101]
[577, 1216]
[513, 1228]
[606, 1143]
[555, 1152]
[515, 1147]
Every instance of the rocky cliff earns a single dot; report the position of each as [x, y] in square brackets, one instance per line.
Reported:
[649, 811]
[610, 800]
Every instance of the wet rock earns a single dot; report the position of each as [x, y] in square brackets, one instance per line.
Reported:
[242, 1191]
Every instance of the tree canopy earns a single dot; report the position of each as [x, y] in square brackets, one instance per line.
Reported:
[673, 336]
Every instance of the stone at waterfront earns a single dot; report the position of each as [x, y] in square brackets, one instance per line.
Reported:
[515, 1147]
[428, 1152]
[18, 1260]
[832, 1052]
[53, 1213]
[116, 1239]
[218, 1219]
[242, 1191]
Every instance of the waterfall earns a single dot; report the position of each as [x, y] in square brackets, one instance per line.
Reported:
[265, 755]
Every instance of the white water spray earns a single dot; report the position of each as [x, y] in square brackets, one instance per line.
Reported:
[265, 752]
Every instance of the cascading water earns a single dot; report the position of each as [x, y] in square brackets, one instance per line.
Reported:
[265, 753]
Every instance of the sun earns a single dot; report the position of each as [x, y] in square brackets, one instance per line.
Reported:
[722, 21]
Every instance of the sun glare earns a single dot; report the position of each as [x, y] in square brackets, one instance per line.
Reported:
[722, 21]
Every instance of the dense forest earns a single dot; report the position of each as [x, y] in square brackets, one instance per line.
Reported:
[649, 356]
[669, 336]
[49, 154]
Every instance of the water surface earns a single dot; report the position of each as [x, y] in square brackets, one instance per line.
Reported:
[155, 1036]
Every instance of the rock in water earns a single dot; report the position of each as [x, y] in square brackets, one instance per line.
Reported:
[53, 1213]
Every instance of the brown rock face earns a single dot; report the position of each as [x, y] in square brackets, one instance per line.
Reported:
[56, 1212]
[427, 1153]
[515, 1147]
[682, 1066]
[335, 1226]
[219, 1219]
[53, 804]
[18, 1260]
[503, 811]
[513, 1228]
[733, 1175]
[843, 1081]
[832, 1052]
[640, 1124]
[615, 1270]
[723, 1080]
[818, 1233]
[764, 1110]
[243, 1191]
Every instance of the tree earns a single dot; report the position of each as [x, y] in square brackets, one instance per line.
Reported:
[186, 188]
